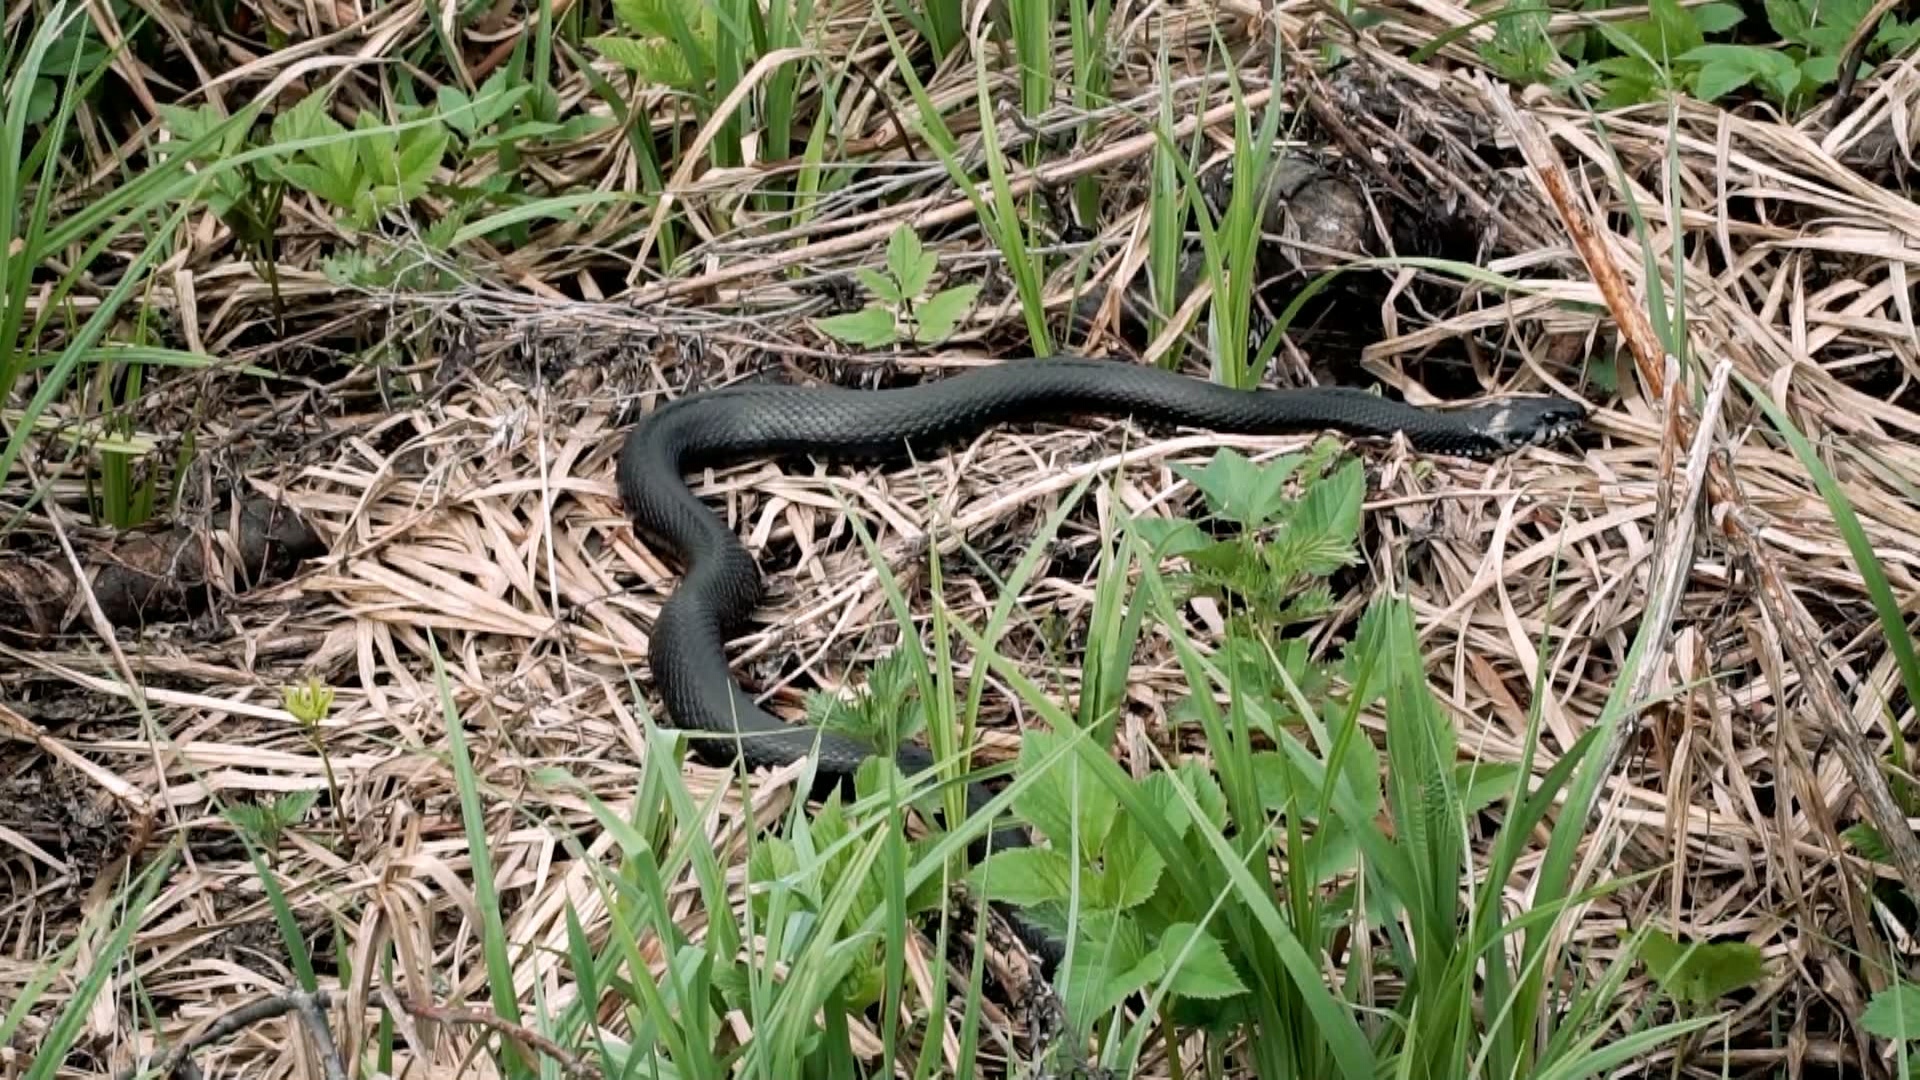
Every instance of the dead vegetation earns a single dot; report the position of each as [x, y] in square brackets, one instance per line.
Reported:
[462, 493]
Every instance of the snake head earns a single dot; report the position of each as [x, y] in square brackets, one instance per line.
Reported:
[1515, 423]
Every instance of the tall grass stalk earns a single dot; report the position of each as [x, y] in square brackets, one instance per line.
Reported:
[1033, 23]
[1168, 212]
[1000, 215]
[1231, 244]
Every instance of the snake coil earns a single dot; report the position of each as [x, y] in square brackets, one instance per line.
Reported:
[722, 583]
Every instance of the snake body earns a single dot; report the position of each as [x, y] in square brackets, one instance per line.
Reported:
[722, 583]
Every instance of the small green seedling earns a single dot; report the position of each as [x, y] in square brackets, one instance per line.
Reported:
[903, 311]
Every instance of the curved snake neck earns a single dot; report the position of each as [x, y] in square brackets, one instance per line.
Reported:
[722, 583]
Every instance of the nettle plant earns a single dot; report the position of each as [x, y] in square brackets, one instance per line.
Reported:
[374, 170]
[902, 309]
[1099, 878]
[1672, 47]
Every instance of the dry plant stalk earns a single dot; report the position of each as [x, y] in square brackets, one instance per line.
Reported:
[1728, 508]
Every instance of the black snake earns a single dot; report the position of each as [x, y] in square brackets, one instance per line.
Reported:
[723, 584]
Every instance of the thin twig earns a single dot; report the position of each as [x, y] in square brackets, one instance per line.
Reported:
[309, 1007]
[570, 1063]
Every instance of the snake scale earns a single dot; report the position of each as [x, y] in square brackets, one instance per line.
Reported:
[722, 583]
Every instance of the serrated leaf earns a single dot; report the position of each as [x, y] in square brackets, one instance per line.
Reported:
[1717, 18]
[331, 170]
[1204, 971]
[43, 97]
[1206, 793]
[1868, 842]
[420, 152]
[1066, 796]
[377, 148]
[1325, 526]
[775, 859]
[1896, 37]
[869, 326]
[496, 99]
[1025, 876]
[1673, 30]
[911, 265]
[1789, 19]
[1110, 962]
[1894, 1013]
[1726, 68]
[1275, 780]
[456, 109]
[1483, 783]
[644, 16]
[188, 125]
[1132, 868]
[1704, 973]
[1821, 70]
[316, 181]
[1240, 491]
[874, 775]
[879, 284]
[518, 133]
[1170, 538]
[940, 313]
[654, 62]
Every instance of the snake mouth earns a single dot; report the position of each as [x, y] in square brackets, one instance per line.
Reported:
[1498, 429]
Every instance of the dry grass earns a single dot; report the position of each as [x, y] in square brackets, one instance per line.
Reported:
[467, 494]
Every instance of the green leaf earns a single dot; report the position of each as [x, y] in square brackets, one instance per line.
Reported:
[1726, 68]
[420, 152]
[42, 99]
[1674, 30]
[1170, 538]
[1701, 974]
[644, 16]
[331, 170]
[877, 775]
[942, 312]
[869, 326]
[1896, 37]
[1205, 971]
[1110, 962]
[656, 62]
[1627, 81]
[508, 138]
[1065, 795]
[1323, 529]
[911, 265]
[1871, 846]
[316, 181]
[496, 98]
[1483, 783]
[1894, 1013]
[1821, 70]
[188, 125]
[1790, 19]
[1717, 18]
[1236, 489]
[1206, 792]
[1025, 877]
[378, 148]
[455, 109]
[880, 285]
[1717, 80]
[1132, 871]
